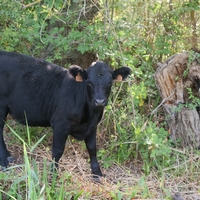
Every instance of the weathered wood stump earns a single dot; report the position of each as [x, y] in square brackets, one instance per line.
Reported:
[178, 82]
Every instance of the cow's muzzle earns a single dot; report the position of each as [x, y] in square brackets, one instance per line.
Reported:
[100, 102]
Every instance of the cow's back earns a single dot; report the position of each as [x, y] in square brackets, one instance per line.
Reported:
[31, 87]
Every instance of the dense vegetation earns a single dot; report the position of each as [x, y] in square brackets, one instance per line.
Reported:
[136, 33]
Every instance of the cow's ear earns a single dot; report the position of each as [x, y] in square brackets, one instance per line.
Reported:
[121, 73]
[78, 73]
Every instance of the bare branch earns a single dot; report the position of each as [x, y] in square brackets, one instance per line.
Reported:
[163, 101]
[31, 4]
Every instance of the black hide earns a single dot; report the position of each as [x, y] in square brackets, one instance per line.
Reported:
[49, 95]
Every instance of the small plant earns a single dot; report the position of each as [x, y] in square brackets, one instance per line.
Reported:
[154, 147]
[192, 104]
[194, 101]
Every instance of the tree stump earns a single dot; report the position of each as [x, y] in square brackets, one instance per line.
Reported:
[178, 82]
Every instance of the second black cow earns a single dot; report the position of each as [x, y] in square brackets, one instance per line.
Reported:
[43, 94]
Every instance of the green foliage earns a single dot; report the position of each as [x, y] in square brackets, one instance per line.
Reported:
[135, 137]
[123, 36]
[154, 147]
[194, 101]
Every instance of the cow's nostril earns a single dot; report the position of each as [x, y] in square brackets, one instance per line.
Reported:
[100, 102]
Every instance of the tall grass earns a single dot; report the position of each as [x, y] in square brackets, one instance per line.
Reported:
[33, 180]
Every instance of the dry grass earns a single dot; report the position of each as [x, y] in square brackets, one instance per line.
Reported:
[182, 181]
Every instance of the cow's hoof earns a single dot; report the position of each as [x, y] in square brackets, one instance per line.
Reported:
[97, 179]
[4, 168]
[11, 159]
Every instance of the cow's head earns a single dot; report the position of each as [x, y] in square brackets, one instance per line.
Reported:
[99, 77]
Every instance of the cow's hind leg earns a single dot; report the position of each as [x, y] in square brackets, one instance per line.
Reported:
[4, 153]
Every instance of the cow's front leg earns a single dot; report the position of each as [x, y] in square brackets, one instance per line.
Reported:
[90, 142]
[60, 134]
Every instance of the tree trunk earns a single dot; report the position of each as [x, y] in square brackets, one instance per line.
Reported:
[178, 82]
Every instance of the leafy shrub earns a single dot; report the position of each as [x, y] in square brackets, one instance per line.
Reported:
[134, 135]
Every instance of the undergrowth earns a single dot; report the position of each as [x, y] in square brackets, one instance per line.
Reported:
[33, 180]
[131, 132]
[135, 153]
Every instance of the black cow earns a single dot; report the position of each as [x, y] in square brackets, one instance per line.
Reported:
[43, 94]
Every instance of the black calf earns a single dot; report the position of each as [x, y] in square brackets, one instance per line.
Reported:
[70, 101]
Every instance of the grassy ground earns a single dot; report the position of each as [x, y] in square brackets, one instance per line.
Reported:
[30, 178]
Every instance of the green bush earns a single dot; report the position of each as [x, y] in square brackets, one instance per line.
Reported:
[134, 135]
